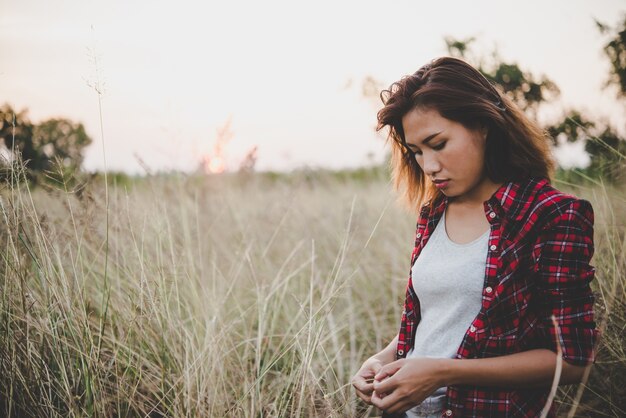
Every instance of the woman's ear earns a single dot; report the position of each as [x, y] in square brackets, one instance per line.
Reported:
[484, 130]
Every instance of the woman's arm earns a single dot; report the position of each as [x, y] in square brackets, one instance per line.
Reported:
[388, 354]
[563, 275]
[407, 382]
[533, 368]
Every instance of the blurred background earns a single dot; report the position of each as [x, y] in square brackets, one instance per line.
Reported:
[278, 85]
[196, 218]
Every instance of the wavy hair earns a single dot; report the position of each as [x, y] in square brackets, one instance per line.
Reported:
[516, 147]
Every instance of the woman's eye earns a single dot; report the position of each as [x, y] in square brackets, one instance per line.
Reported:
[439, 146]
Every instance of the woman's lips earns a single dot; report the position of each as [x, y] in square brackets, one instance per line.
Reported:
[440, 184]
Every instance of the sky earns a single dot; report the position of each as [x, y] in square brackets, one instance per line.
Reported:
[285, 76]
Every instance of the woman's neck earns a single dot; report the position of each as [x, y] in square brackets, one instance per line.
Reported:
[478, 196]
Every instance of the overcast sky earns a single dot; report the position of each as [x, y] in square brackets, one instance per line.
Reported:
[287, 74]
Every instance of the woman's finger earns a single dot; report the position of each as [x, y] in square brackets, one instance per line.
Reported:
[385, 401]
[375, 368]
[364, 397]
[366, 394]
[389, 370]
[363, 385]
[387, 385]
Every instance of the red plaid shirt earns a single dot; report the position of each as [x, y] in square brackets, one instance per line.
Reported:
[540, 246]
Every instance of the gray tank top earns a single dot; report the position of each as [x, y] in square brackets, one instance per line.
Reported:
[448, 279]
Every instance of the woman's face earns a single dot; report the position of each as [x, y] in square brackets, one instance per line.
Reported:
[451, 156]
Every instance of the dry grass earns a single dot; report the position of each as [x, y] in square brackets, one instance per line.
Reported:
[227, 296]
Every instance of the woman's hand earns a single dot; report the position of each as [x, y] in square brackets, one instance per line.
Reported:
[363, 380]
[404, 383]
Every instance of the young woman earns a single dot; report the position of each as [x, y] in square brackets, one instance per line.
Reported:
[498, 252]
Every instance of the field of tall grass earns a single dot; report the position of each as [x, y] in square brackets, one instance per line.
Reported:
[233, 295]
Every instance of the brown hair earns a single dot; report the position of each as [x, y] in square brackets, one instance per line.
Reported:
[516, 147]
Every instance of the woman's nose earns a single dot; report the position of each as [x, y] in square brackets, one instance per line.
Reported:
[431, 164]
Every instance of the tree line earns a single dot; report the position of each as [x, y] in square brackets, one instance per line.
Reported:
[52, 150]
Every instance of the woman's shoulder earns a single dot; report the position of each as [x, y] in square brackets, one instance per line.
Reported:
[549, 205]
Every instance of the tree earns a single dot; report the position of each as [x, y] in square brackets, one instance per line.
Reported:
[63, 140]
[608, 149]
[608, 155]
[522, 87]
[615, 51]
[16, 134]
[16, 131]
[53, 148]
[572, 128]
[605, 148]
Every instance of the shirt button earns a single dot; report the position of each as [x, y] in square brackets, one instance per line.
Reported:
[419, 234]
[472, 328]
[448, 413]
[492, 215]
[488, 289]
[400, 352]
[493, 247]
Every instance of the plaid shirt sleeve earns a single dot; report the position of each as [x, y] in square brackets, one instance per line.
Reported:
[562, 254]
